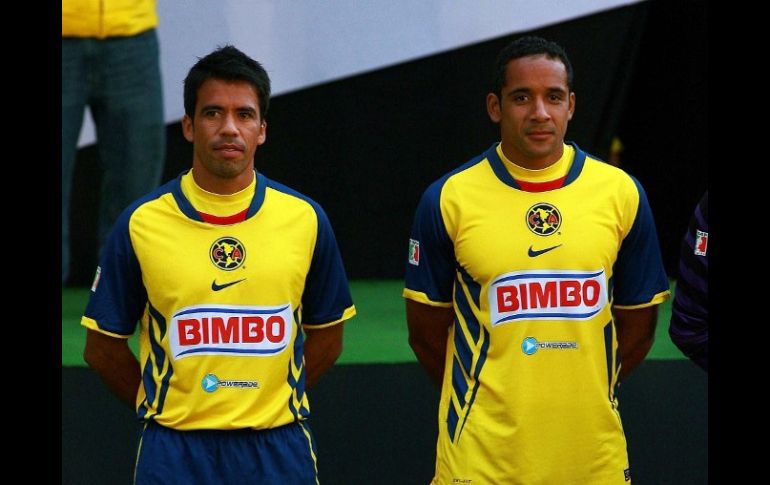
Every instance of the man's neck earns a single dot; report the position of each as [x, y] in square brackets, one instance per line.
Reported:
[220, 185]
[532, 163]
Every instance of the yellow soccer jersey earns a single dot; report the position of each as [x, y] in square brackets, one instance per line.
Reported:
[220, 306]
[528, 395]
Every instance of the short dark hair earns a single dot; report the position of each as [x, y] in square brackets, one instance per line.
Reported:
[229, 64]
[524, 47]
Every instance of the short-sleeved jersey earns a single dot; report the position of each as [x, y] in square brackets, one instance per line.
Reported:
[531, 367]
[220, 306]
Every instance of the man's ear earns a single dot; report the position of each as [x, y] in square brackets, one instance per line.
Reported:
[187, 128]
[262, 137]
[493, 107]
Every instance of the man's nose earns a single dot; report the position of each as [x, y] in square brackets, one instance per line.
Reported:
[539, 110]
[229, 125]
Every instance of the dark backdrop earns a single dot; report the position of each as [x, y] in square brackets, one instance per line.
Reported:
[376, 424]
[365, 147]
[664, 124]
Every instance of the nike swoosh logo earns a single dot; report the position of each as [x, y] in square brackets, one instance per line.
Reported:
[216, 287]
[532, 252]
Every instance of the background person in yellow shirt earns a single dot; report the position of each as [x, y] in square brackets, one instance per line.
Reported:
[110, 63]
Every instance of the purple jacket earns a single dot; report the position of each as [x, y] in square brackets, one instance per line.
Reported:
[690, 311]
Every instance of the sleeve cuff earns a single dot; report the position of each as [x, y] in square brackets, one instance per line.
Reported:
[91, 324]
[421, 297]
[656, 300]
[347, 314]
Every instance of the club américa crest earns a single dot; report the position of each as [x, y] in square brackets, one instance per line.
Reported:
[227, 253]
[543, 219]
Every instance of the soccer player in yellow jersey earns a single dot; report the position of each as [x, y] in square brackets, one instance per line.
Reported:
[240, 293]
[532, 284]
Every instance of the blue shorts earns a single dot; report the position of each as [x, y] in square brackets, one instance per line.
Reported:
[284, 455]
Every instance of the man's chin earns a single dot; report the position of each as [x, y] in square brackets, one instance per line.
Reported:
[229, 169]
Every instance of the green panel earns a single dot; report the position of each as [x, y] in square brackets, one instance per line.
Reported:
[664, 348]
[377, 334]
[73, 335]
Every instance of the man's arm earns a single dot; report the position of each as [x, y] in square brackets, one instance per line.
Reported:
[323, 347]
[428, 334]
[115, 364]
[636, 333]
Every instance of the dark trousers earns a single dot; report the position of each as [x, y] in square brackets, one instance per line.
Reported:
[118, 78]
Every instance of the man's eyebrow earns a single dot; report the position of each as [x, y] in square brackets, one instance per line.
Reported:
[522, 89]
[526, 90]
[249, 109]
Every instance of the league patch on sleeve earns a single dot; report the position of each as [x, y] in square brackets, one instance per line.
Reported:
[701, 243]
[96, 279]
[414, 252]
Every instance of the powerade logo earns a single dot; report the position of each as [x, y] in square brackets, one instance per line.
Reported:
[546, 295]
[530, 345]
[211, 383]
[230, 330]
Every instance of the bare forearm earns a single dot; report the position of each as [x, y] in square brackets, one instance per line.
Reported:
[428, 334]
[322, 349]
[431, 356]
[633, 355]
[636, 334]
[115, 364]
[123, 380]
[316, 364]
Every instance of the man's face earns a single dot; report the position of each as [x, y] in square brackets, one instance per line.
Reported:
[225, 132]
[533, 111]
